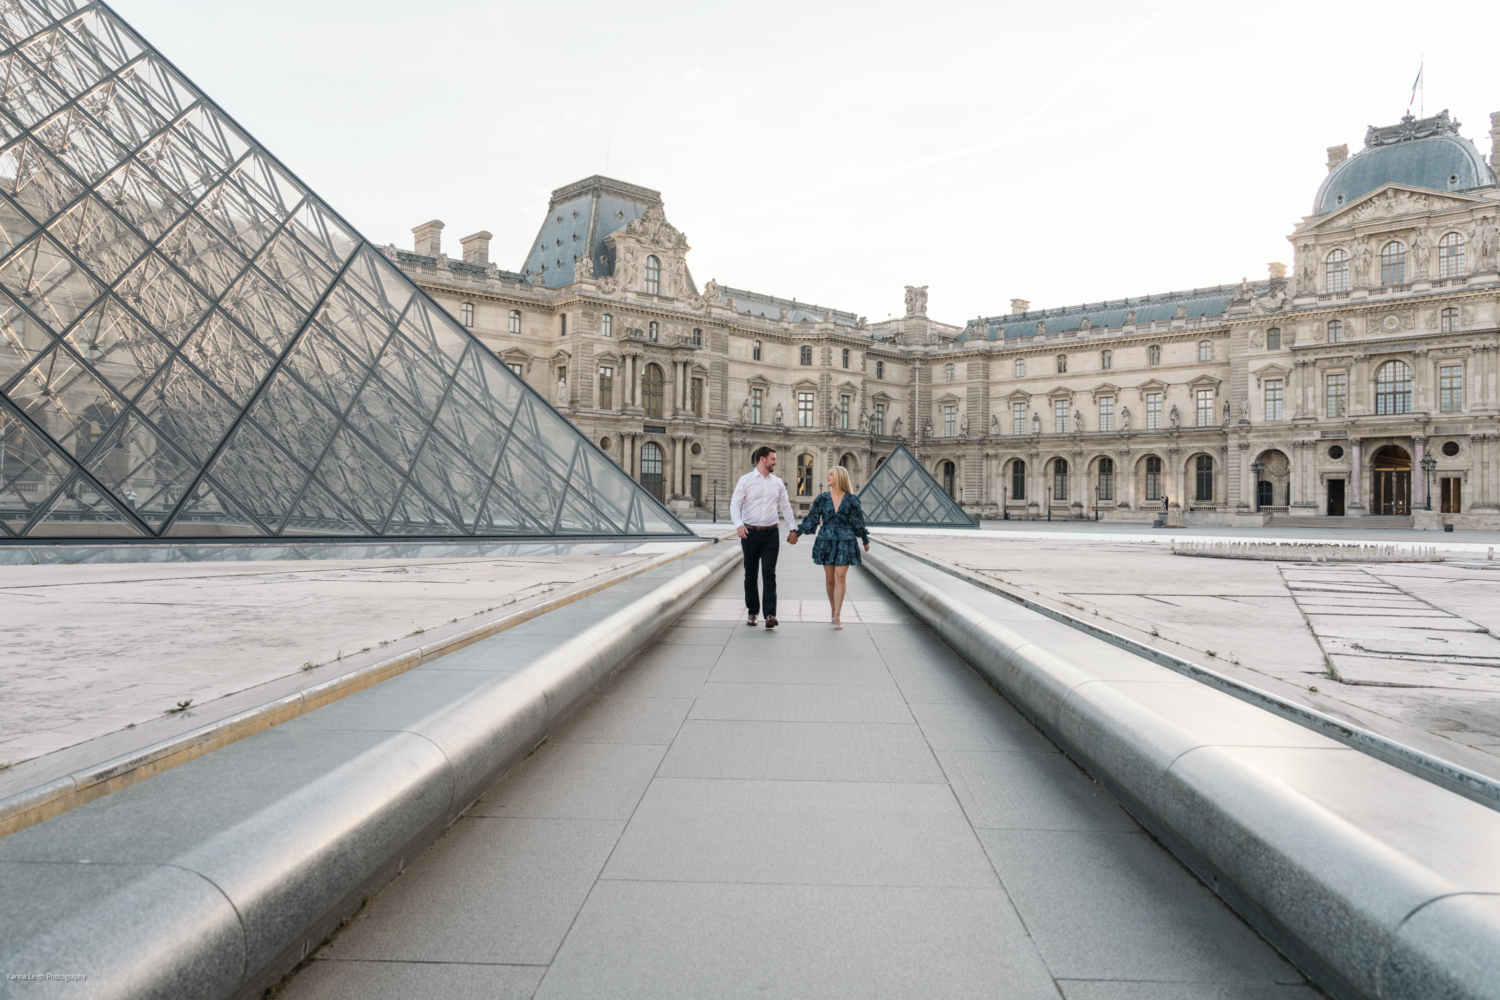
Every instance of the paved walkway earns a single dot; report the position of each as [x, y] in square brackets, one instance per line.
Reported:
[798, 813]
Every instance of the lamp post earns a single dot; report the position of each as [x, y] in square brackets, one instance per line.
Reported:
[1257, 467]
[1004, 510]
[1428, 464]
[1096, 503]
[716, 500]
[1049, 503]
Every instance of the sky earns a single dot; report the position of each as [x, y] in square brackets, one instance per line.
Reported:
[836, 152]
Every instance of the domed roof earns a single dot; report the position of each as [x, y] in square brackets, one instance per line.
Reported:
[1422, 152]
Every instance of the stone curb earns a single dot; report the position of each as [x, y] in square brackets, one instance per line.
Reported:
[213, 880]
[1337, 880]
[50, 798]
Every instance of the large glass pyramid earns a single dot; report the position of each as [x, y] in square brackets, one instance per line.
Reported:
[193, 345]
[903, 494]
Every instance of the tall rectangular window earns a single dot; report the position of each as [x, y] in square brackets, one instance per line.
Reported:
[1153, 411]
[1336, 395]
[950, 420]
[606, 387]
[846, 357]
[1153, 478]
[1205, 350]
[695, 397]
[697, 336]
[755, 354]
[1106, 360]
[843, 413]
[1449, 320]
[606, 325]
[1060, 416]
[1273, 339]
[1205, 469]
[757, 404]
[466, 311]
[1020, 368]
[1018, 480]
[1335, 331]
[1106, 479]
[880, 369]
[1018, 419]
[804, 409]
[513, 322]
[1107, 413]
[1205, 407]
[877, 425]
[562, 324]
[1274, 392]
[515, 367]
[1153, 354]
[1451, 387]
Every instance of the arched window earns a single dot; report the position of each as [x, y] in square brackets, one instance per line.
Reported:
[1205, 350]
[653, 275]
[1153, 478]
[950, 479]
[514, 325]
[1335, 331]
[653, 331]
[1273, 339]
[1393, 263]
[1106, 479]
[606, 325]
[1062, 363]
[1205, 477]
[948, 373]
[755, 351]
[846, 357]
[1153, 354]
[466, 313]
[1106, 360]
[1451, 256]
[1020, 368]
[651, 470]
[1449, 320]
[652, 383]
[1336, 270]
[1393, 388]
[1059, 479]
[1018, 480]
[804, 475]
[806, 355]
[880, 369]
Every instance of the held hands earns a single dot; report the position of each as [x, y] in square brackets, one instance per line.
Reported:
[791, 538]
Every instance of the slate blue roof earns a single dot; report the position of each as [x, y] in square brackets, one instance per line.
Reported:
[579, 216]
[1147, 308]
[1423, 152]
[748, 303]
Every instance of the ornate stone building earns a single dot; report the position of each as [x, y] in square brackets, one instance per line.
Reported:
[1355, 385]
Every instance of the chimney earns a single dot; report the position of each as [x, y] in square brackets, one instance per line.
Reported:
[1495, 140]
[429, 238]
[1019, 305]
[1337, 155]
[477, 247]
[1277, 270]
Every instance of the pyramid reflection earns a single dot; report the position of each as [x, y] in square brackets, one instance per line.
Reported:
[192, 345]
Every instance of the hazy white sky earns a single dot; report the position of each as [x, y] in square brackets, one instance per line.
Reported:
[836, 152]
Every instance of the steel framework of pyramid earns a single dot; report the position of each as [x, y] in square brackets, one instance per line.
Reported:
[902, 493]
[193, 345]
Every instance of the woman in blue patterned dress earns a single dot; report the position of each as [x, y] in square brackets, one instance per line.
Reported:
[836, 549]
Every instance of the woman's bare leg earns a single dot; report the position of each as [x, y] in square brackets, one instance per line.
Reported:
[828, 580]
[840, 583]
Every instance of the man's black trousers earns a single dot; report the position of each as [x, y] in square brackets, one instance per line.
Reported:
[761, 549]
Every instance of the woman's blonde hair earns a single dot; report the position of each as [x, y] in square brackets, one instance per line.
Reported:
[841, 479]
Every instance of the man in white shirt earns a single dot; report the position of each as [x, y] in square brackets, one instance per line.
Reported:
[758, 498]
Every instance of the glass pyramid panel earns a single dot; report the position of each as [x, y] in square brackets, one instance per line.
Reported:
[194, 345]
[903, 493]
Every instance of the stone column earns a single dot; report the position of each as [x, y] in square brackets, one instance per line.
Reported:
[1418, 474]
[1355, 492]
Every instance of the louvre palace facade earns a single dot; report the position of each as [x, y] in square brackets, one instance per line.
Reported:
[1361, 381]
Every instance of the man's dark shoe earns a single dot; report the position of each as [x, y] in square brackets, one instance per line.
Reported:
[751, 621]
[770, 621]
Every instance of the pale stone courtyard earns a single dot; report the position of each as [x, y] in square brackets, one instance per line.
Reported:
[1405, 649]
[93, 649]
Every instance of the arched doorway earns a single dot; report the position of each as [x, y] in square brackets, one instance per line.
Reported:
[1390, 468]
[1105, 489]
[653, 383]
[651, 470]
[1273, 485]
[851, 463]
[950, 475]
[1059, 479]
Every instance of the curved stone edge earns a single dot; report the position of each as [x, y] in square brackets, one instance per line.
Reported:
[1359, 917]
[282, 859]
[57, 795]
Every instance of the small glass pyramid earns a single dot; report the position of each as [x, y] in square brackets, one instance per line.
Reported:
[903, 494]
[193, 345]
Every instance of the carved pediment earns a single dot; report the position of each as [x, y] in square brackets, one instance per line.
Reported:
[653, 230]
[1151, 385]
[1270, 371]
[1060, 392]
[1392, 200]
[1205, 382]
[1105, 389]
[1018, 396]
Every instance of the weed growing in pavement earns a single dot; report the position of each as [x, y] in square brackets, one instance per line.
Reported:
[1329, 670]
[1154, 632]
[1313, 689]
[1211, 653]
[308, 665]
[6, 766]
[182, 706]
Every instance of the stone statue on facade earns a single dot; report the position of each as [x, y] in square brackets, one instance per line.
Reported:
[1307, 270]
[896, 428]
[1130, 318]
[1244, 291]
[994, 425]
[1363, 255]
[1077, 421]
[780, 418]
[927, 428]
[1036, 423]
[864, 419]
[916, 300]
[1421, 248]
[963, 425]
[583, 266]
[784, 314]
[562, 392]
[745, 411]
[538, 277]
[1124, 418]
[1226, 413]
[1180, 312]
[1245, 410]
[1174, 417]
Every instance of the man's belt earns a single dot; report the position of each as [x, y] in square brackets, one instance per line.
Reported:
[761, 527]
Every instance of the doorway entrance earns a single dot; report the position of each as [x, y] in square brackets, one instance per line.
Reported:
[1391, 472]
[652, 462]
[1265, 494]
[1335, 498]
[695, 490]
[949, 474]
[1453, 495]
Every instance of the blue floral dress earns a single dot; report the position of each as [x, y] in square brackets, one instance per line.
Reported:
[843, 530]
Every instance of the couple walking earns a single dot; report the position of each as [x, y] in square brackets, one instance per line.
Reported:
[759, 497]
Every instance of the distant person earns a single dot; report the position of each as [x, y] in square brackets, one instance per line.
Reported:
[836, 549]
[757, 499]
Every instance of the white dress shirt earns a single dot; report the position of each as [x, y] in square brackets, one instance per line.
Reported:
[756, 499]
